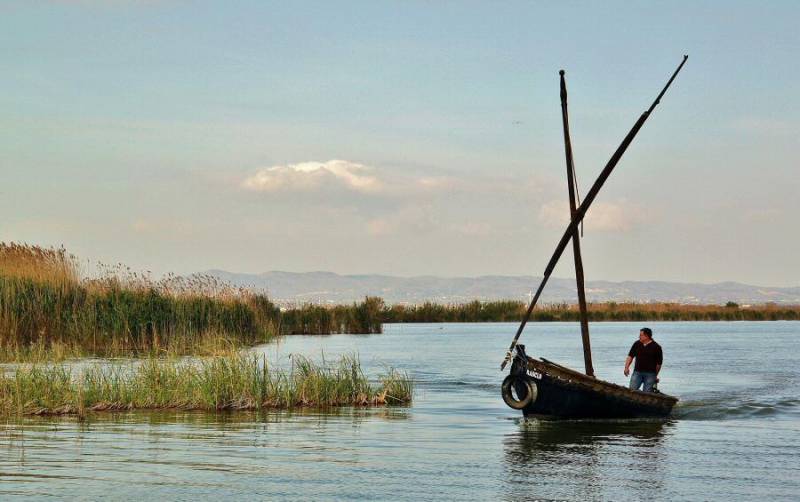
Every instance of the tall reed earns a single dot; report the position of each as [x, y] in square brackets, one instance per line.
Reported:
[235, 381]
[512, 311]
[47, 306]
[44, 301]
[364, 317]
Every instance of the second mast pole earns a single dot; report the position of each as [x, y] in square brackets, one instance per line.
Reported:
[576, 243]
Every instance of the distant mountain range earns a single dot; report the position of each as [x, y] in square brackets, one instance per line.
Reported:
[328, 287]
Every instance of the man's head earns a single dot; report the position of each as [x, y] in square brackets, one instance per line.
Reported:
[645, 335]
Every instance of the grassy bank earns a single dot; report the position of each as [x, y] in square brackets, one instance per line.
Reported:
[234, 381]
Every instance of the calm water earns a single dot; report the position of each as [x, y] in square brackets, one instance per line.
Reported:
[734, 436]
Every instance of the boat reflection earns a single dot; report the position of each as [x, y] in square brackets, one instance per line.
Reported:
[593, 454]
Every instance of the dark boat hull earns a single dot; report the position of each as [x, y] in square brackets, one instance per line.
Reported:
[564, 393]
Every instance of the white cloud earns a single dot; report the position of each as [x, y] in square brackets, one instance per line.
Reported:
[436, 182]
[410, 218]
[312, 176]
[403, 200]
[619, 216]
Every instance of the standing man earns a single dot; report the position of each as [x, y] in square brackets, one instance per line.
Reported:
[648, 361]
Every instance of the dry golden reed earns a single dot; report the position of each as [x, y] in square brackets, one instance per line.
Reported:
[44, 301]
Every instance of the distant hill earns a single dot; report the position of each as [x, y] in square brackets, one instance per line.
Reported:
[328, 287]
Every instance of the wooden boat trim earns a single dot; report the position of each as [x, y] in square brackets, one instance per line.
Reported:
[577, 379]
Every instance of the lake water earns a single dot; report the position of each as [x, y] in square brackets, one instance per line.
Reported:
[735, 435]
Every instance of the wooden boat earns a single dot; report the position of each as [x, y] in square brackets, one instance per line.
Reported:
[540, 387]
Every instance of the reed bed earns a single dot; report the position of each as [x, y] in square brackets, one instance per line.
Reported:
[49, 307]
[364, 317]
[46, 304]
[511, 311]
[236, 381]
[44, 301]
[40, 351]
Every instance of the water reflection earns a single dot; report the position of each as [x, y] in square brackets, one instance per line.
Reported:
[234, 419]
[736, 437]
[582, 459]
[20, 436]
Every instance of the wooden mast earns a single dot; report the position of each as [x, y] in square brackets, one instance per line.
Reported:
[576, 243]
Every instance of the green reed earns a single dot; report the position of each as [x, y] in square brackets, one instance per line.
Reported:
[512, 311]
[47, 306]
[49, 309]
[97, 319]
[364, 317]
[235, 381]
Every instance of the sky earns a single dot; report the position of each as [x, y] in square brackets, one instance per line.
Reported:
[402, 138]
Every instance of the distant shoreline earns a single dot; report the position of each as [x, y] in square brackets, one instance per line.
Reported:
[509, 311]
[294, 288]
[49, 310]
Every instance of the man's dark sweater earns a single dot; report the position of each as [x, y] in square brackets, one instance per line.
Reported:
[647, 356]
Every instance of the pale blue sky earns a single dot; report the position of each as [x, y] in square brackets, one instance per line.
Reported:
[136, 132]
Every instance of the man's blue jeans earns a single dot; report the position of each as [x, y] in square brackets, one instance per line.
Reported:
[643, 377]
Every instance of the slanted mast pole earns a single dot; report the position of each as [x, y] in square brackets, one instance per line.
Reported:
[581, 211]
[576, 243]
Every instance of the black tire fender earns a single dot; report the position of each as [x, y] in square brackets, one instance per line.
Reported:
[518, 382]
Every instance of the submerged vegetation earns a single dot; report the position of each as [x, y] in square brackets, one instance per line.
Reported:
[236, 381]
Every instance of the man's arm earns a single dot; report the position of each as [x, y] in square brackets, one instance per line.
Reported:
[659, 359]
[631, 355]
